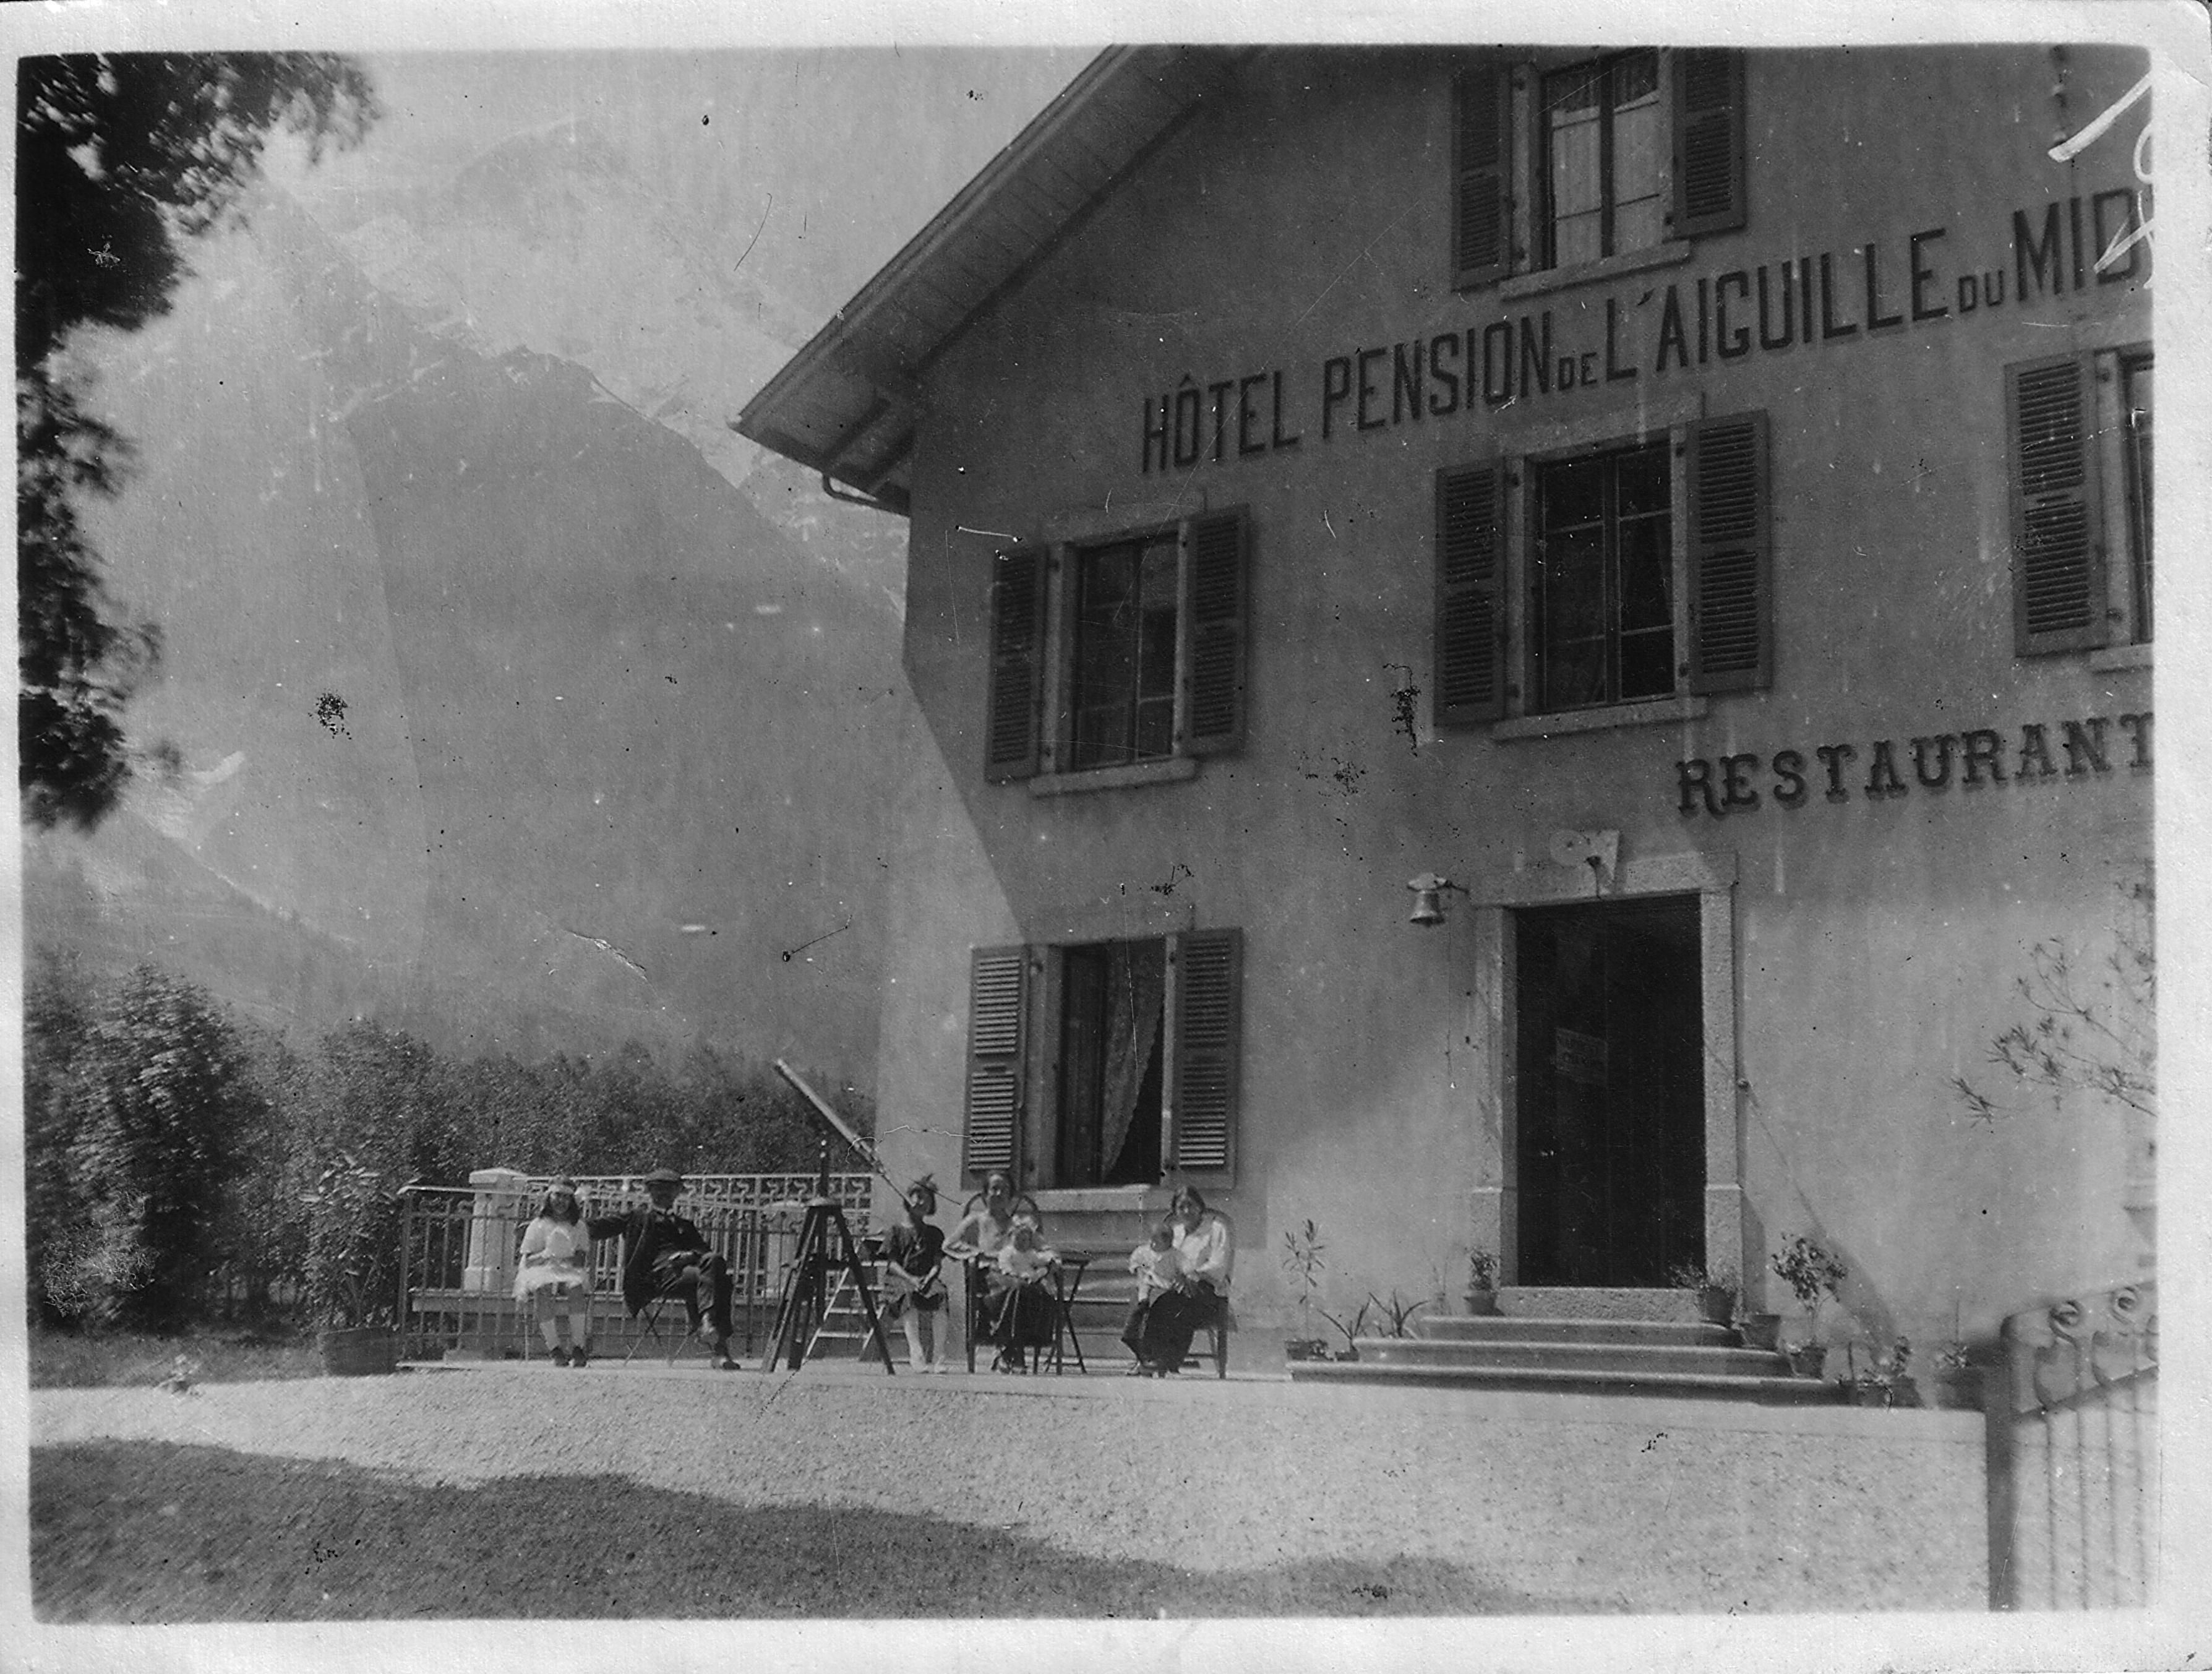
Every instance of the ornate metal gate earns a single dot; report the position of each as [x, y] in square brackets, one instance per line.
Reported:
[2072, 1454]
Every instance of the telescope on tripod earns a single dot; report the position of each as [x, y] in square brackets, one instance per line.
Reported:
[826, 1245]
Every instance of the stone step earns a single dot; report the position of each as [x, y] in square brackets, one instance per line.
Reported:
[1516, 1328]
[1720, 1359]
[1684, 1385]
[1623, 1302]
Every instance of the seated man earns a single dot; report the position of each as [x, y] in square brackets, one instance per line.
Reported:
[665, 1251]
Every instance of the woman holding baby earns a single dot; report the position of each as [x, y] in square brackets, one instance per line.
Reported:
[1200, 1245]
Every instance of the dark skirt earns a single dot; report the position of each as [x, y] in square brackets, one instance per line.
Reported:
[1017, 1316]
[1174, 1320]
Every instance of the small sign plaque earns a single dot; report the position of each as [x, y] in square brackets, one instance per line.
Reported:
[1578, 1057]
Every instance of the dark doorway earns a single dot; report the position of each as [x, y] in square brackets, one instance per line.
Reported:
[1612, 1091]
[1110, 1081]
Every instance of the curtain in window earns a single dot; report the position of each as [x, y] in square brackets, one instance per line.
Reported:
[1135, 981]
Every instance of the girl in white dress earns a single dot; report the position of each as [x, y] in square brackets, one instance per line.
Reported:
[557, 1269]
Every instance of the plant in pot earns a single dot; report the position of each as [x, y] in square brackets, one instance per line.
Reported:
[1481, 1282]
[1715, 1295]
[1349, 1330]
[1958, 1385]
[1301, 1260]
[1811, 1272]
[1886, 1380]
[1398, 1311]
[352, 1271]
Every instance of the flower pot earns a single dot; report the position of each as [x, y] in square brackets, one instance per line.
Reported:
[1809, 1360]
[361, 1351]
[1958, 1389]
[1305, 1348]
[1482, 1301]
[1762, 1330]
[1717, 1303]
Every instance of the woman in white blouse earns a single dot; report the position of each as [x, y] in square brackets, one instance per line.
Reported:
[1203, 1255]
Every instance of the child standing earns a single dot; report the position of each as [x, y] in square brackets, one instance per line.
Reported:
[1156, 1265]
[557, 1269]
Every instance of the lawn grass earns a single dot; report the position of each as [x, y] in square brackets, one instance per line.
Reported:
[135, 1531]
[98, 1359]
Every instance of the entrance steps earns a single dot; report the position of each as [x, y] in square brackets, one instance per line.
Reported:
[1601, 1343]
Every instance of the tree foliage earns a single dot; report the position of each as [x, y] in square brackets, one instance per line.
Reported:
[166, 1142]
[158, 1100]
[120, 157]
[2087, 1026]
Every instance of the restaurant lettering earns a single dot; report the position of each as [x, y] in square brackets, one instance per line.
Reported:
[1885, 768]
[1818, 302]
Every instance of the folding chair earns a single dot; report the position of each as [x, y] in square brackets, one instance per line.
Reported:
[650, 1320]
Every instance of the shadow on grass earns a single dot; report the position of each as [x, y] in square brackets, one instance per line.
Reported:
[152, 1531]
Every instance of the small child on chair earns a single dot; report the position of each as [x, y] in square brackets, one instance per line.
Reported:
[1156, 1265]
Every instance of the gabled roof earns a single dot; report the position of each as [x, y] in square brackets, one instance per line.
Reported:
[846, 404]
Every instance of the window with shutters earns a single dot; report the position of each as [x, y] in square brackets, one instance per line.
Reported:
[1105, 1064]
[2079, 465]
[1119, 653]
[1560, 160]
[1609, 577]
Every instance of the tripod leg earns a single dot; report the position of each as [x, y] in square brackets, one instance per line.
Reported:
[794, 1327]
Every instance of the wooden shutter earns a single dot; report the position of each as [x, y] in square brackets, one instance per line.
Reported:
[997, 993]
[1470, 613]
[1482, 164]
[1216, 554]
[2058, 556]
[1709, 175]
[1731, 640]
[1011, 720]
[1205, 996]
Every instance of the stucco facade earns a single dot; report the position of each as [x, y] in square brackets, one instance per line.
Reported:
[1855, 849]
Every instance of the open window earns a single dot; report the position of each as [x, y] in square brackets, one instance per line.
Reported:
[1105, 1064]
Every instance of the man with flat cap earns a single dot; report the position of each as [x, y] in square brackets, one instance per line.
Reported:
[664, 1251]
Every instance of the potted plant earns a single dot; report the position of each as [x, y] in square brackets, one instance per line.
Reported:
[1301, 1260]
[353, 1253]
[1715, 1295]
[1350, 1329]
[1811, 1272]
[1958, 1385]
[1481, 1282]
[1399, 1311]
[1886, 1379]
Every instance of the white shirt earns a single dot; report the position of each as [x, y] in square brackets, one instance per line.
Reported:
[1203, 1252]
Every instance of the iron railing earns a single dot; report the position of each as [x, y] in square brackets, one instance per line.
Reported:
[2072, 1409]
[459, 1246]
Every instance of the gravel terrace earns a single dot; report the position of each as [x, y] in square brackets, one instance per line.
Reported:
[1579, 1503]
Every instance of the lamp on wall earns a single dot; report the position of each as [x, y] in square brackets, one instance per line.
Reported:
[1428, 898]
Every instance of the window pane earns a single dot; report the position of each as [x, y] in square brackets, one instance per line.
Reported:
[1643, 477]
[1647, 662]
[1602, 600]
[1641, 138]
[1574, 172]
[1122, 683]
[1646, 575]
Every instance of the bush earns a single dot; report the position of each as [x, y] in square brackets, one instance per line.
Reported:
[161, 1099]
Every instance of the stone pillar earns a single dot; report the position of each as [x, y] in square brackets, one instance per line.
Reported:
[492, 1222]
